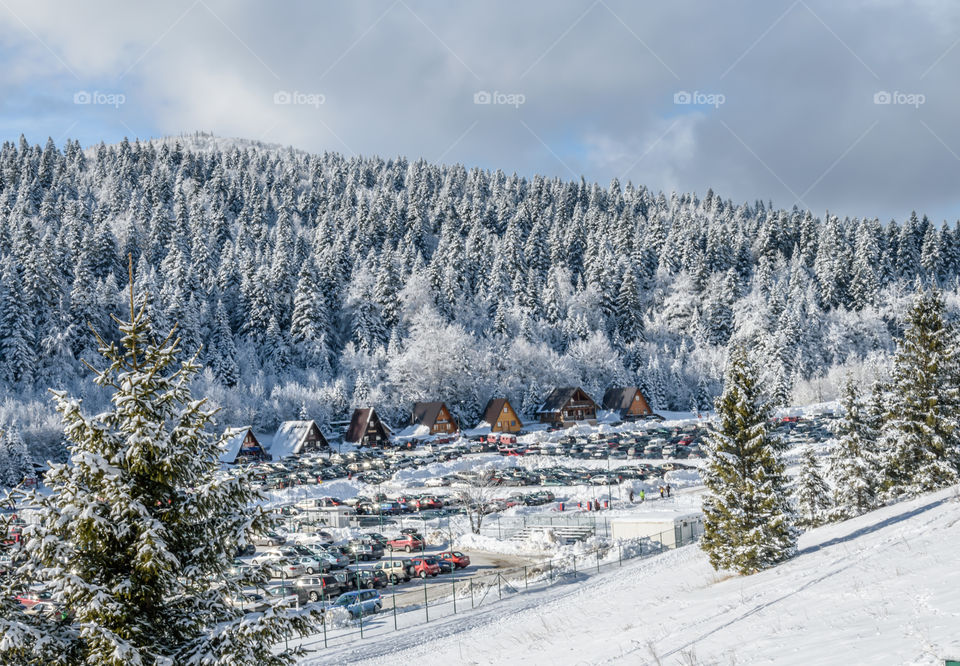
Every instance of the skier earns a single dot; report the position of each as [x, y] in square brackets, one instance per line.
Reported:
[643, 495]
[661, 492]
[668, 490]
[631, 495]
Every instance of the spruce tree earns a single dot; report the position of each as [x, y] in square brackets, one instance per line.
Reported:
[854, 462]
[920, 439]
[138, 532]
[811, 493]
[748, 520]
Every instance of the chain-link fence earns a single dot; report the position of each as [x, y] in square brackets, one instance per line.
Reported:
[420, 602]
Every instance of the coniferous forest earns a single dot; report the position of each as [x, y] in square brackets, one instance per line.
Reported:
[313, 283]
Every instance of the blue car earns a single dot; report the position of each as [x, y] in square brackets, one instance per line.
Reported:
[366, 602]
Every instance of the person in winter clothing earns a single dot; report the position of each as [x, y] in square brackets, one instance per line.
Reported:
[668, 490]
[631, 496]
[661, 491]
[643, 495]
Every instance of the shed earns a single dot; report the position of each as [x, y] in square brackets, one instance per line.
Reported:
[669, 528]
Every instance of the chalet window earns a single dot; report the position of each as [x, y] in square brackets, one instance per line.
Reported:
[504, 409]
[636, 398]
[513, 423]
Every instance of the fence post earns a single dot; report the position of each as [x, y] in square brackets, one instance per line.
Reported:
[598, 560]
[454, 582]
[394, 595]
[526, 580]
[499, 532]
[426, 602]
[324, 628]
[499, 589]
[471, 595]
[574, 566]
[620, 546]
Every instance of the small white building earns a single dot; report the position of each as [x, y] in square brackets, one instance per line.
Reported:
[327, 516]
[668, 528]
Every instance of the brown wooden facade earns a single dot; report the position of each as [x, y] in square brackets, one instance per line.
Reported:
[567, 405]
[501, 416]
[435, 416]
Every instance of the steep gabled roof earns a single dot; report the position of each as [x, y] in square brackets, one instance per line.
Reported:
[426, 413]
[290, 438]
[494, 408]
[360, 421]
[234, 438]
[358, 424]
[619, 398]
[557, 399]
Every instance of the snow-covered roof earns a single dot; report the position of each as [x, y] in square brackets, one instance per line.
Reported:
[290, 438]
[234, 438]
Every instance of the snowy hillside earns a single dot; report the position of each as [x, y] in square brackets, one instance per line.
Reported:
[313, 283]
[880, 588]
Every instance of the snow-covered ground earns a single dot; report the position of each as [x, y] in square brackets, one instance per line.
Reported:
[881, 588]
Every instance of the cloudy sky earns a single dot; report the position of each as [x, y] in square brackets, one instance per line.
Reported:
[847, 106]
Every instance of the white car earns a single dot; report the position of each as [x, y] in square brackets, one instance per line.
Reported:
[308, 539]
[281, 563]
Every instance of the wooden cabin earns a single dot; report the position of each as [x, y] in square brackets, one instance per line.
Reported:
[295, 438]
[567, 405]
[366, 429]
[501, 416]
[242, 446]
[435, 416]
[628, 402]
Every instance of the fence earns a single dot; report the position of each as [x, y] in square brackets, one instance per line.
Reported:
[503, 527]
[423, 602]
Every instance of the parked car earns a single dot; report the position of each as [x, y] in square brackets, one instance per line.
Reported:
[445, 566]
[365, 549]
[268, 539]
[317, 588]
[361, 602]
[406, 542]
[367, 578]
[249, 602]
[421, 566]
[395, 570]
[456, 558]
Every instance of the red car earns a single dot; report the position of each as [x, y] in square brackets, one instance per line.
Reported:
[407, 542]
[456, 558]
[420, 567]
[508, 439]
[425, 503]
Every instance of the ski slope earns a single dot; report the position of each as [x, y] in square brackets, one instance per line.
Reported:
[881, 588]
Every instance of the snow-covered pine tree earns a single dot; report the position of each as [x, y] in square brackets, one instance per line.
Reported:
[748, 519]
[14, 458]
[920, 438]
[854, 465]
[810, 492]
[137, 535]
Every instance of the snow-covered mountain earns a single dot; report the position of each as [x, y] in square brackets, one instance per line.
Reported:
[315, 282]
